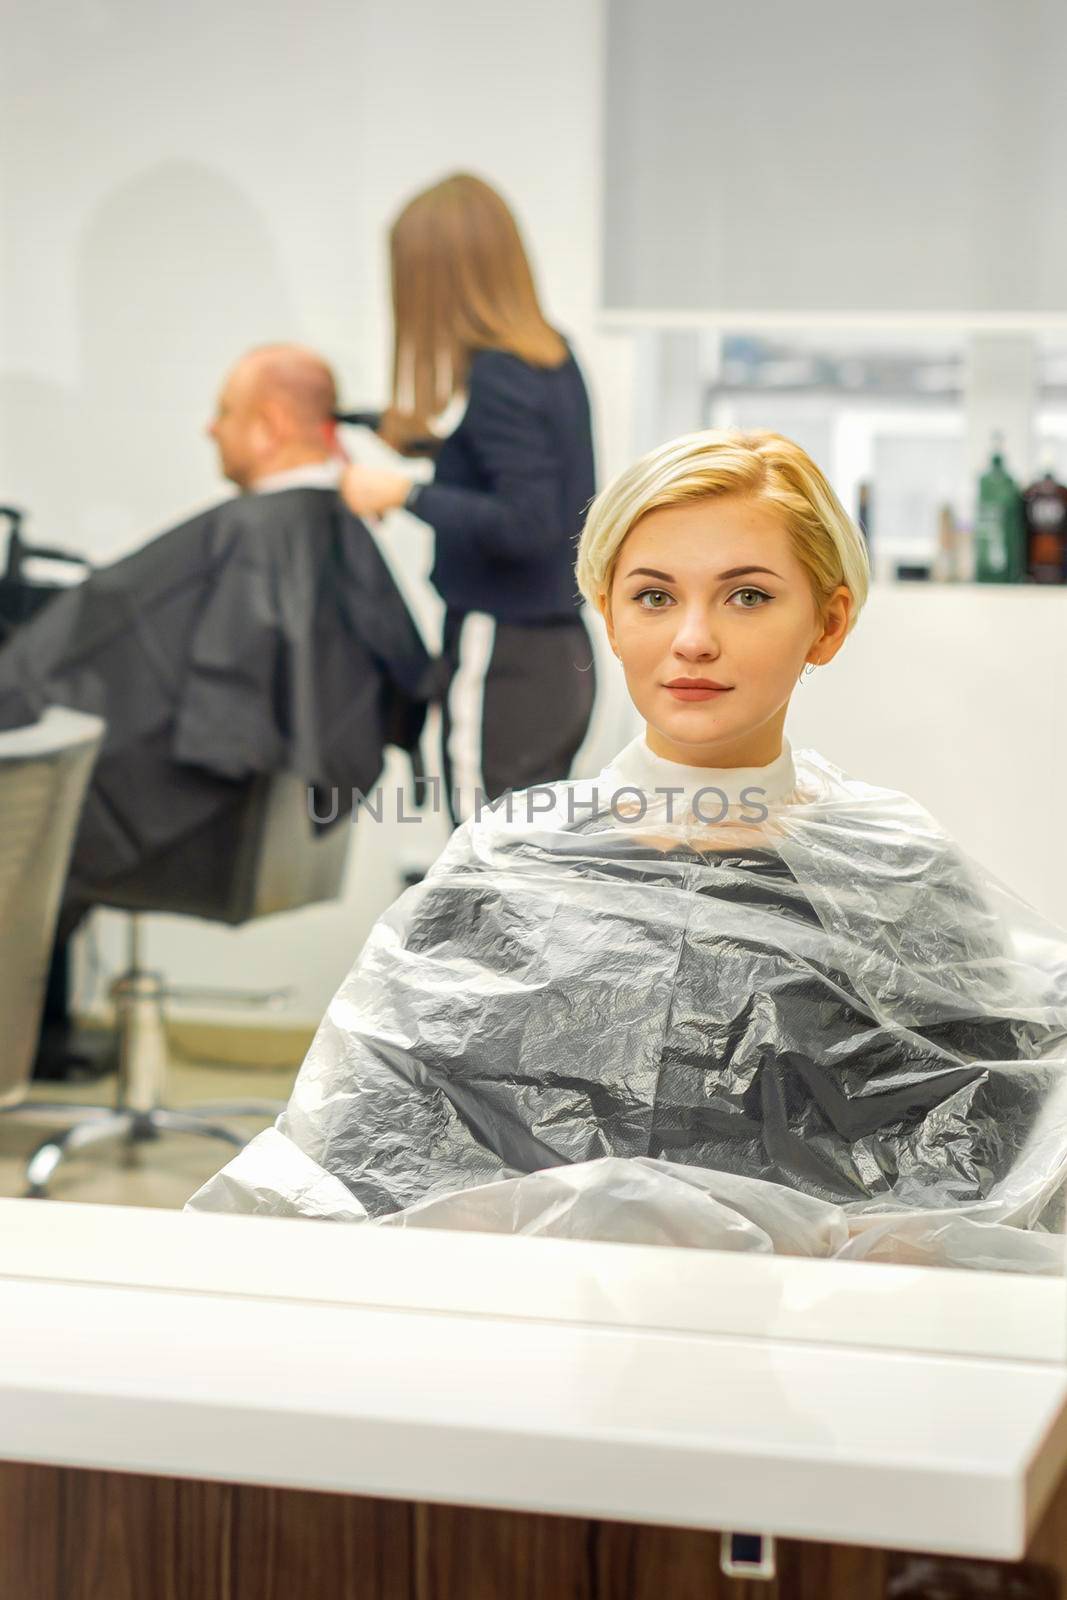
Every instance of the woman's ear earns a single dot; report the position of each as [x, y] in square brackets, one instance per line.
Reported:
[603, 601]
[835, 624]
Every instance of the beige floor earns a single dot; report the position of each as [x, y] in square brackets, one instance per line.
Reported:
[163, 1172]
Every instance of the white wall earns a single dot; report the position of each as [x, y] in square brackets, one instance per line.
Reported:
[184, 181]
[954, 693]
[836, 157]
[181, 182]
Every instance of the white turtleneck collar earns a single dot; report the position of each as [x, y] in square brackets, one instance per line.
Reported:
[310, 475]
[746, 788]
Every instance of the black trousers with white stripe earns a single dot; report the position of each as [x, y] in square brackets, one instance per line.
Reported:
[516, 703]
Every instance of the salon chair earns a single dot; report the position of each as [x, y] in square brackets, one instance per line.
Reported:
[23, 595]
[44, 773]
[260, 857]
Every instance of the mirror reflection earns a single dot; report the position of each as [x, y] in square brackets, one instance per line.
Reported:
[573, 778]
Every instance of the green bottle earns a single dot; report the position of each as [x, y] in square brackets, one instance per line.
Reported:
[999, 526]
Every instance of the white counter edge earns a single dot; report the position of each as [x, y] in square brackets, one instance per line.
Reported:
[583, 1409]
[923, 1309]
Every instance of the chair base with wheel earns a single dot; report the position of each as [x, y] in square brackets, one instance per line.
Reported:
[138, 1115]
[276, 863]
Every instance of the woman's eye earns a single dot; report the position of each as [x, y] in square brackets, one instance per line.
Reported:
[659, 599]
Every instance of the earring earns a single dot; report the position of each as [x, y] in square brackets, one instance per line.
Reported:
[807, 670]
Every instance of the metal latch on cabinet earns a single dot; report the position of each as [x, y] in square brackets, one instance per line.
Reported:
[748, 1555]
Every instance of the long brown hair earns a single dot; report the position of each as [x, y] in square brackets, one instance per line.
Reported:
[461, 282]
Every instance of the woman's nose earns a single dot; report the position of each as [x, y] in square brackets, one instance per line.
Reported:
[694, 638]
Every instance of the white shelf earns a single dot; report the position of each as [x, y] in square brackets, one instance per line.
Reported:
[634, 320]
[902, 1407]
[942, 584]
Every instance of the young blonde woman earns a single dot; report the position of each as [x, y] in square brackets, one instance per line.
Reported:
[478, 368]
[723, 994]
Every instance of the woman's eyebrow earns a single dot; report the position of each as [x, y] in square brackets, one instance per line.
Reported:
[734, 572]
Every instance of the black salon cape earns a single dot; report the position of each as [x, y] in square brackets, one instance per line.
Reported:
[540, 1031]
[264, 635]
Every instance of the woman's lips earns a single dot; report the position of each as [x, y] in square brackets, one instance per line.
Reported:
[694, 693]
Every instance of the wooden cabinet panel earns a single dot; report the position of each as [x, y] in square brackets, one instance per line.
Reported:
[83, 1535]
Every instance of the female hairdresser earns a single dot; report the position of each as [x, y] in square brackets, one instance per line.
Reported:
[477, 365]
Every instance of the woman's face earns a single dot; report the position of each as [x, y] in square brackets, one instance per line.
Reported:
[712, 591]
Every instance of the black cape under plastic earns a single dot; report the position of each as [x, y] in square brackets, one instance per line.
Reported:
[265, 635]
[841, 1006]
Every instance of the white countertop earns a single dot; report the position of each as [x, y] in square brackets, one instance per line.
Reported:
[894, 1406]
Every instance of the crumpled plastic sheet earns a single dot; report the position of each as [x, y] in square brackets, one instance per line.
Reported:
[830, 1033]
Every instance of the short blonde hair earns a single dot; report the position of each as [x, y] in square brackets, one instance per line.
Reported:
[700, 466]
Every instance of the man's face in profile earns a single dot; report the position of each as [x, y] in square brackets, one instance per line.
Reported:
[235, 428]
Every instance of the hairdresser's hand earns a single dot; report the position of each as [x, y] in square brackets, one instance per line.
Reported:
[371, 491]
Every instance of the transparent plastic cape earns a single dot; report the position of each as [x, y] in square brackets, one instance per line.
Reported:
[826, 1031]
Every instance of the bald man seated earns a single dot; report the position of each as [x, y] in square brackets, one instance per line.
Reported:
[274, 422]
[263, 635]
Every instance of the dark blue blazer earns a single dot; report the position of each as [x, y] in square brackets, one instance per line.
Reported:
[511, 489]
